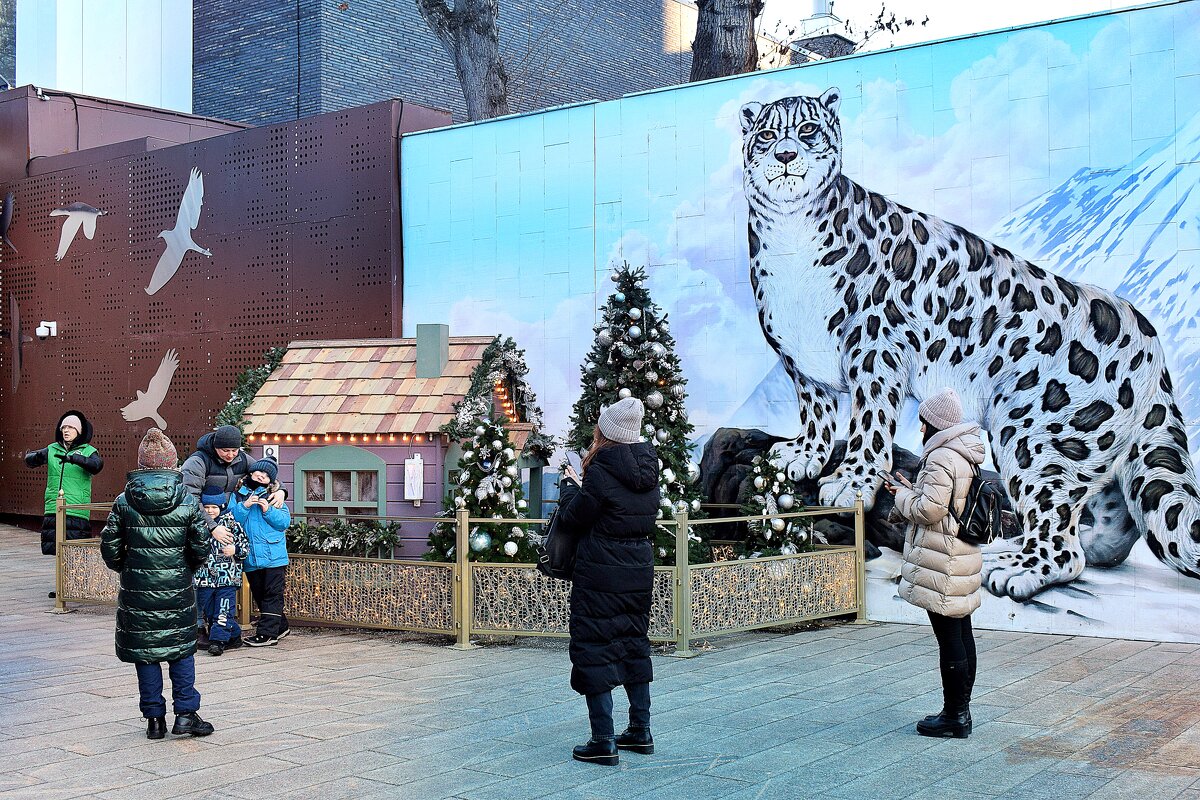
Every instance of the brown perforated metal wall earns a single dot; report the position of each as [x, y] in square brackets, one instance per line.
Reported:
[302, 219]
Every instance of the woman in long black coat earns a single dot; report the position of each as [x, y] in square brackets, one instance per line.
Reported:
[614, 513]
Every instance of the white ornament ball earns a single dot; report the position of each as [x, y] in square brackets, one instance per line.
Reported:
[470, 454]
[658, 350]
[693, 470]
[677, 390]
[480, 430]
[652, 376]
[786, 501]
[459, 502]
[482, 493]
[696, 504]
[480, 541]
[635, 313]
[497, 444]
[511, 471]
[760, 483]
[777, 524]
[510, 549]
[521, 504]
[664, 326]
[668, 475]
[506, 498]
[662, 436]
[624, 393]
[654, 399]
[508, 453]
[649, 429]
[779, 476]
[601, 383]
[506, 481]
[634, 332]
[665, 502]
[604, 337]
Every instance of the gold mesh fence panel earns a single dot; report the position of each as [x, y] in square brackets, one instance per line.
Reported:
[521, 600]
[403, 595]
[85, 577]
[758, 593]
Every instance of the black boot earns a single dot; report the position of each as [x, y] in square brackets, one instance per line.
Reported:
[156, 727]
[191, 724]
[638, 740]
[954, 721]
[597, 751]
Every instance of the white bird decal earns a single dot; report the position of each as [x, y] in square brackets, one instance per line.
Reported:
[179, 239]
[147, 403]
[77, 214]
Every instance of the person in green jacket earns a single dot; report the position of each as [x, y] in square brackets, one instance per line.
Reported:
[156, 537]
[71, 462]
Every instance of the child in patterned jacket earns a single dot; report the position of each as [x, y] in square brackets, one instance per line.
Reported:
[218, 581]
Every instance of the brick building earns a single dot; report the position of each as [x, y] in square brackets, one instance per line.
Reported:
[282, 59]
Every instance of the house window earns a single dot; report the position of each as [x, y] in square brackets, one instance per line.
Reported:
[341, 480]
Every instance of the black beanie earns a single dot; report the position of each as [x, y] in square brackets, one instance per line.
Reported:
[266, 465]
[227, 436]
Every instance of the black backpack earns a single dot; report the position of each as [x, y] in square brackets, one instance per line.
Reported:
[979, 522]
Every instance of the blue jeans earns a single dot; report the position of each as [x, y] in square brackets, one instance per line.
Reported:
[218, 606]
[184, 697]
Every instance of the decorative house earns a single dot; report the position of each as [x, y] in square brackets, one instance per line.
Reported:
[360, 426]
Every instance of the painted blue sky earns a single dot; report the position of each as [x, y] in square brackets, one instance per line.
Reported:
[510, 226]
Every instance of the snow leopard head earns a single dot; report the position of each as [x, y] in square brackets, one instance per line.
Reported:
[791, 148]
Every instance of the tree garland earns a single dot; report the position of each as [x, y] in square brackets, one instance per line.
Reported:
[246, 387]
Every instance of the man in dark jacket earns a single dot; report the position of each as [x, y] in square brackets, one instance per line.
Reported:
[71, 462]
[156, 537]
[220, 463]
[614, 513]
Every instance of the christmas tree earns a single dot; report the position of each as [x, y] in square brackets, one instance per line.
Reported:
[488, 486]
[634, 355]
[771, 491]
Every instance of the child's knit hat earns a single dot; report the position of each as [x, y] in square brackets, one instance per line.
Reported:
[212, 496]
[266, 465]
[157, 451]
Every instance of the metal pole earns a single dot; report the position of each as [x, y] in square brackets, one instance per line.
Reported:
[683, 589]
[860, 562]
[462, 581]
[244, 600]
[60, 536]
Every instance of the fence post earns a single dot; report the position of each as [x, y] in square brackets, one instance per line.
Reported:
[860, 563]
[462, 581]
[60, 536]
[683, 589]
[243, 602]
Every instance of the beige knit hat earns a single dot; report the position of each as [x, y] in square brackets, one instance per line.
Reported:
[72, 420]
[942, 410]
[157, 452]
[622, 421]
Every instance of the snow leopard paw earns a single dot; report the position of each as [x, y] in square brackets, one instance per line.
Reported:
[841, 489]
[801, 460]
[1009, 572]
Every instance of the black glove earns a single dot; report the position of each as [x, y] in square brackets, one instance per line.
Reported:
[71, 458]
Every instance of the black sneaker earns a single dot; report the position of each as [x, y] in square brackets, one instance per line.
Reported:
[234, 643]
[191, 725]
[261, 641]
[216, 649]
[284, 633]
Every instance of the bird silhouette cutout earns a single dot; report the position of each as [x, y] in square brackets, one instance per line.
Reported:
[147, 403]
[6, 216]
[179, 239]
[78, 215]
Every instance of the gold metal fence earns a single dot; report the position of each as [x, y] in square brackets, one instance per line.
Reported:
[466, 598]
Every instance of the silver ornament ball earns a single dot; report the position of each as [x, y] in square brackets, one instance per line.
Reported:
[634, 332]
[624, 393]
[777, 524]
[652, 376]
[480, 540]
[635, 313]
[662, 436]
[510, 549]
[786, 501]
[654, 399]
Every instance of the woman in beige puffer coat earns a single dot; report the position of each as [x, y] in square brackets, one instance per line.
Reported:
[941, 573]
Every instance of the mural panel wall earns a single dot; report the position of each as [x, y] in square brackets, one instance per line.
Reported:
[1014, 215]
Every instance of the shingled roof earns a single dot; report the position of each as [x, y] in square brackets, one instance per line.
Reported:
[363, 386]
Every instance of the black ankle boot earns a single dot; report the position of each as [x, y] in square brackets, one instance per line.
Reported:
[156, 727]
[638, 740]
[597, 751]
[955, 719]
[191, 724]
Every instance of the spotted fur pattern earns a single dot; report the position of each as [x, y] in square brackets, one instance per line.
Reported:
[861, 296]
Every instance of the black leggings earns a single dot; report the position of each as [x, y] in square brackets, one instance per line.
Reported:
[956, 642]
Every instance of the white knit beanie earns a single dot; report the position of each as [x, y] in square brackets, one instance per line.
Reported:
[622, 421]
[942, 410]
[72, 420]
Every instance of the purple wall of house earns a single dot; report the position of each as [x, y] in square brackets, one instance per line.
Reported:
[414, 535]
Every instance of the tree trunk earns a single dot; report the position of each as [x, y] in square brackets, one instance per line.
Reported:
[469, 34]
[725, 43]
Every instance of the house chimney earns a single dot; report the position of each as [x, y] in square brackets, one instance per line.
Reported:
[433, 350]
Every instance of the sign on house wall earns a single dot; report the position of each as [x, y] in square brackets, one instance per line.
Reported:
[1014, 215]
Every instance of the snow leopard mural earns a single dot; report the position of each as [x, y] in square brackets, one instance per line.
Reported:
[860, 295]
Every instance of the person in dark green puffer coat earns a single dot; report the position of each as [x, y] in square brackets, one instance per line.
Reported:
[156, 537]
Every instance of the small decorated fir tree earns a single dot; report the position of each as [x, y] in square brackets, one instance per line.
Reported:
[489, 485]
[771, 491]
[634, 355]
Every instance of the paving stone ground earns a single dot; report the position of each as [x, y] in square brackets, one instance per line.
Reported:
[825, 713]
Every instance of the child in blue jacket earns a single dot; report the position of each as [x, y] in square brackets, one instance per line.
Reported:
[267, 561]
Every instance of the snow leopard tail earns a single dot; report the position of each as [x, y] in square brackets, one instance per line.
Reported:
[1159, 482]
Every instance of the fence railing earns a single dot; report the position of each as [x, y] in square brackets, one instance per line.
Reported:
[465, 598]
